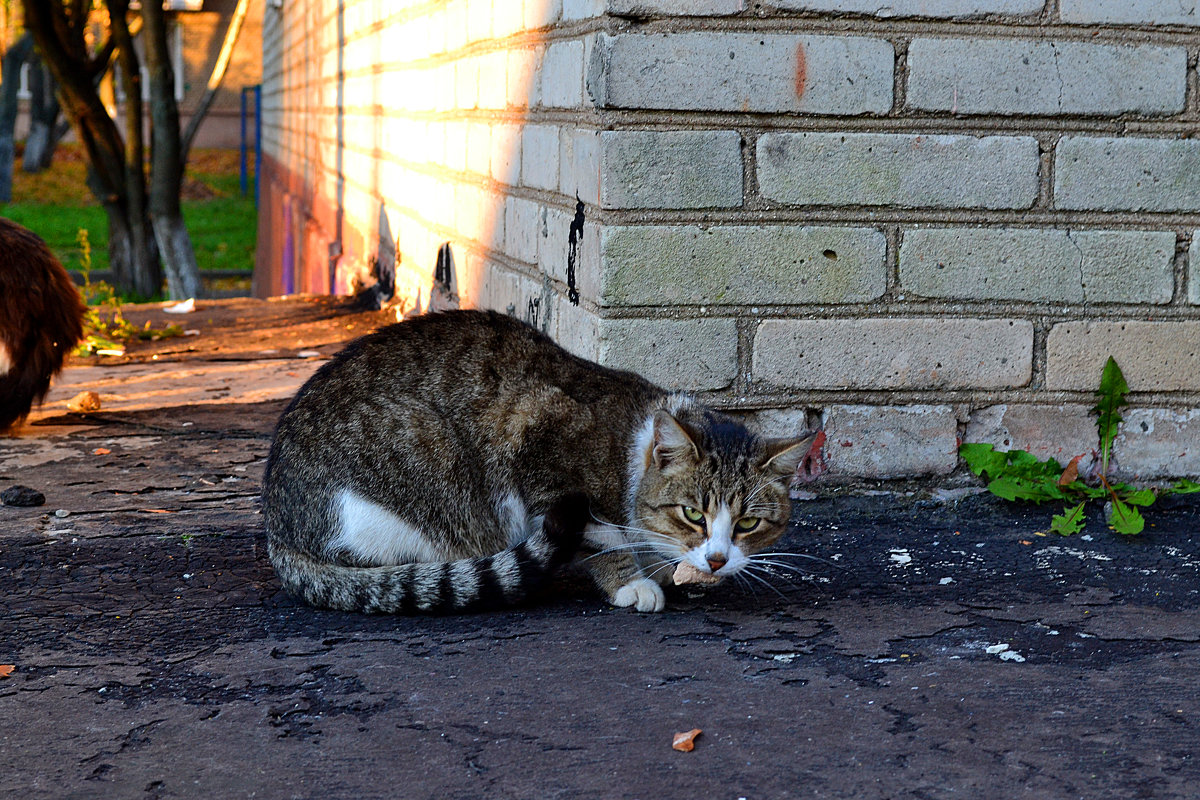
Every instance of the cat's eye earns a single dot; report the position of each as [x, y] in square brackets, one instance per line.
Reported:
[692, 514]
[746, 524]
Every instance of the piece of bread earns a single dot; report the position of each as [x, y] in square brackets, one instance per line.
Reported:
[686, 573]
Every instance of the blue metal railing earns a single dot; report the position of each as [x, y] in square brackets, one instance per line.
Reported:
[256, 91]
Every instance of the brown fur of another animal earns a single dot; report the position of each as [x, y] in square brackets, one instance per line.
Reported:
[41, 320]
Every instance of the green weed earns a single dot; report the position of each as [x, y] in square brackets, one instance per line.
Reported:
[1019, 476]
[104, 325]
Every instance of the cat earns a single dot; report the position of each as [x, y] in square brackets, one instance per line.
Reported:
[41, 320]
[452, 461]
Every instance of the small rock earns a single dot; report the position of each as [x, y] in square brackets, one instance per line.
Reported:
[22, 496]
[84, 402]
[62, 512]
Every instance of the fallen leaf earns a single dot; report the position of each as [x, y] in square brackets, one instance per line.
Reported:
[685, 742]
[6, 670]
[1071, 473]
[156, 511]
[101, 451]
[1025, 541]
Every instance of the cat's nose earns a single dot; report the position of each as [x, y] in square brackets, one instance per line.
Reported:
[716, 561]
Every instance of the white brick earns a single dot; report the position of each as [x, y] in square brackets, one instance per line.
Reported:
[1012, 76]
[539, 156]
[466, 83]
[690, 354]
[918, 8]
[493, 80]
[1158, 443]
[720, 71]
[479, 148]
[479, 19]
[889, 442]
[562, 75]
[1131, 12]
[507, 18]
[781, 423]
[523, 77]
[1039, 265]
[894, 353]
[670, 169]
[541, 13]
[1154, 356]
[582, 9]
[1194, 269]
[682, 8]
[505, 161]
[1060, 432]
[554, 248]
[726, 265]
[1127, 174]
[455, 24]
[576, 329]
[521, 229]
[898, 169]
[455, 136]
[579, 164]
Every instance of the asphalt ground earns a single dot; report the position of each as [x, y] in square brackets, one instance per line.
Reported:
[928, 649]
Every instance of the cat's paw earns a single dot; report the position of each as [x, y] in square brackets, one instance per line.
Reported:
[641, 593]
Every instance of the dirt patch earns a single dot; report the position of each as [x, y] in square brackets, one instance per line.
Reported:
[240, 350]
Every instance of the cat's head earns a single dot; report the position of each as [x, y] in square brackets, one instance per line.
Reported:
[711, 493]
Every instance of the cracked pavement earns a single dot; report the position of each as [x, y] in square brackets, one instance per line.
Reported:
[935, 650]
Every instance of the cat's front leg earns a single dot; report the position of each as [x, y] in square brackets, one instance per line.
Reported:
[614, 567]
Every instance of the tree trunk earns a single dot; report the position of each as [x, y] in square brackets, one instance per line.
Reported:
[44, 111]
[141, 233]
[133, 247]
[10, 83]
[114, 171]
[166, 161]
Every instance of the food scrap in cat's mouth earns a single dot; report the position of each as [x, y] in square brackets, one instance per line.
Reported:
[686, 573]
[685, 742]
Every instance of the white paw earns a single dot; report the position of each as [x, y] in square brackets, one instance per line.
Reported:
[641, 593]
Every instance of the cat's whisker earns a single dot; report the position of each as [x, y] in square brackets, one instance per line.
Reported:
[745, 584]
[661, 565]
[634, 529]
[824, 561]
[634, 547]
[791, 584]
[781, 565]
[749, 573]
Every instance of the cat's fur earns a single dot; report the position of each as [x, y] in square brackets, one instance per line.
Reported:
[449, 462]
[41, 320]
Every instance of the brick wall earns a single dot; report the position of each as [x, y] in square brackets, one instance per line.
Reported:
[907, 222]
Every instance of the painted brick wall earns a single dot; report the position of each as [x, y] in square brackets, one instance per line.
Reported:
[907, 222]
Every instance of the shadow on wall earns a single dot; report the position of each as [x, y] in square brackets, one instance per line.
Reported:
[393, 155]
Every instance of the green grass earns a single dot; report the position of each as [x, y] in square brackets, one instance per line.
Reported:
[55, 204]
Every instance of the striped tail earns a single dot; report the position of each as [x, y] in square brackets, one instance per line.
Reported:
[507, 578]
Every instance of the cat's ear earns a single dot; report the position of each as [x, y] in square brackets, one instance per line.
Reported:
[784, 455]
[673, 444]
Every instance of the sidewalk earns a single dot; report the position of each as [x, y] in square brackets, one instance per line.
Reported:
[935, 651]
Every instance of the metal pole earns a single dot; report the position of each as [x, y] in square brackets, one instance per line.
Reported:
[242, 148]
[257, 139]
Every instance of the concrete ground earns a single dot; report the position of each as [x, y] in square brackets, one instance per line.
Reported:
[935, 650]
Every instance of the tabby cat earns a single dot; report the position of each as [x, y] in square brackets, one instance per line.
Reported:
[453, 461]
[41, 319]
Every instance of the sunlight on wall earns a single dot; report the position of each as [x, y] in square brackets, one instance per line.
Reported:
[423, 124]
